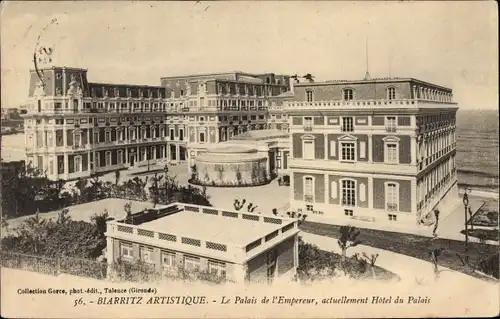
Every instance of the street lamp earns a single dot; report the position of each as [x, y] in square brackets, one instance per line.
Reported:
[465, 200]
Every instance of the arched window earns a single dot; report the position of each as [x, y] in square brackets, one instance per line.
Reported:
[348, 94]
[119, 156]
[391, 149]
[309, 95]
[308, 147]
[108, 158]
[391, 93]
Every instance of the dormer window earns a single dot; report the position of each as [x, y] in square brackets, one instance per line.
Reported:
[348, 94]
[391, 93]
[309, 96]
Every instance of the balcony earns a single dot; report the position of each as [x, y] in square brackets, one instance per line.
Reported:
[347, 129]
[391, 207]
[368, 104]
[390, 128]
[308, 128]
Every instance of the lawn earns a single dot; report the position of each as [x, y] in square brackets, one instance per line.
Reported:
[487, 215]
[412, 245]
[486, 234]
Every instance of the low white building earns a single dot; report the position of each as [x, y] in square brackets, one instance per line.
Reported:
[242, 247]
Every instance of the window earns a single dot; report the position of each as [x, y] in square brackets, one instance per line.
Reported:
[347, 124]
[219, 268]
[78, 164]
[390, 124]
[348, 193]
[348, 94]
[348, 151]
[391, 197]
[167, 259]
[126, 251]
[391, 150]
[181, 134]
[393, 217]
[146, 254]
[108, 158]
[348, 212]
[202, 137]
[77, 139]
[309, 208]
[309, 96]
[191, 263]
[107, 136]
[308, 147]
[119, 157]
[308, 189]
[392, 153]
[308, 123]
[391, 93]
[171, 134]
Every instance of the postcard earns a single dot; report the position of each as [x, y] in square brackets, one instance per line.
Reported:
[249, 159]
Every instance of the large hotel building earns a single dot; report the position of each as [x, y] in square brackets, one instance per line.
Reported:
[373, 149]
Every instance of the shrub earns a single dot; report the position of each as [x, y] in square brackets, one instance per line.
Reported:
[490, 266]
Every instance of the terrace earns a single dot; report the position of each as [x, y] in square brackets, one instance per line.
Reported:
[205, 231]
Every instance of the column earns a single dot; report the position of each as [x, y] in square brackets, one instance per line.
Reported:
[421, 93]
[177, 152]
[169, 156]
[325, 138]
[370, 193]
[126, 156]
[66, 165]
[327, 189]
[65, 136]
[109, 256]
[369, 146]
[413, 147]
[414, 93]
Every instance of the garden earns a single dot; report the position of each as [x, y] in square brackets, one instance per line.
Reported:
[26, 191]
[484, 224]
[475, 259]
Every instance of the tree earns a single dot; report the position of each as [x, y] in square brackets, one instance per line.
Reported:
[155, 188]
[128, 209]
[80, 184]
[117, 177]
[238, 205]
[435, 254]
[436, 224]
[348, 238]
[99, 220]
[34, 231]
[63, 217]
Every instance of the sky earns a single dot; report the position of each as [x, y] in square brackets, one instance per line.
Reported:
[453, 44]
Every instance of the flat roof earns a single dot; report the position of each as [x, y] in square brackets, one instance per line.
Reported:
[221, 229]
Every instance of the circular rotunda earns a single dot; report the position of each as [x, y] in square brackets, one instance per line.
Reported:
[231, 166]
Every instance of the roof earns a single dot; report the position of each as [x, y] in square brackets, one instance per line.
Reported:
[373, 80]
[260, 135]
[237, 231]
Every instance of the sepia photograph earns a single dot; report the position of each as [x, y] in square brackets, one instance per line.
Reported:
[249, 159]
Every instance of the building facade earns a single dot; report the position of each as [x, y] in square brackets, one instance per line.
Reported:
[75, 127]
[240, 247]
[376, 150]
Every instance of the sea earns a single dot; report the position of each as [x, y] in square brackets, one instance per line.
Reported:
[477, 149]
